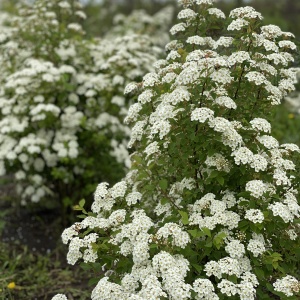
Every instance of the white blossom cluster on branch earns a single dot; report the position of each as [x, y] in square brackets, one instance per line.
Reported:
[62, 101]
[210, 207]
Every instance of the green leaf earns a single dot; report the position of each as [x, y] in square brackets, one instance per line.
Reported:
[81, 216]
[214, 174]
[184, 217]
[164, 201]
[77, 207]
[259, 273]
[269, 287]
[197, 267]
[221, 235]
[93, 281]
[220, 180]
[209, 244]
[163, 183]
[82, 202]
[193, 232]
[244, 194]
[206, 231]
[243, 225]
[196, 233]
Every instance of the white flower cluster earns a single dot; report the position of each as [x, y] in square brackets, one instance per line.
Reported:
[207, 178]
[219, 213]
[287, 285]
[61, 103]
[155, 26]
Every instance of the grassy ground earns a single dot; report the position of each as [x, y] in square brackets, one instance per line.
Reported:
[32, 258]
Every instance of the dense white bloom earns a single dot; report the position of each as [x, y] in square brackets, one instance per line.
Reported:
[259, 163]
[216, 12]
[256, 188]
[226, 101]
[227, 287]
[256, 77]
[218, 161]
[246, 12]
[177, 28]
[235, 249]
[287, 285]
[204, 289]
[254, 215]
[256, 247]
[59, 297]
[152, 148]
[237, 24]
[287, 44]
[107, 290]
[281, 210]
[213, 268]
[242, 156]
[150, 80]
[268, 141]
[202, 114]
[187, 14]
[260, 124]
[292, 234]
[131, 87]
[205, 173]
[133, 198]
[180, 238]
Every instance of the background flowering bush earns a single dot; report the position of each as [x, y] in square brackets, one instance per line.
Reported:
[62, 102]
[210, 207]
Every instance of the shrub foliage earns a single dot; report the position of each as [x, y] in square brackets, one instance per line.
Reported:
[209, 209]
[62, 102]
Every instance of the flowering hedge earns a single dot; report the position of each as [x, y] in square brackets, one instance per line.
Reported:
[62, 102]
[156, 26]
[209, 209]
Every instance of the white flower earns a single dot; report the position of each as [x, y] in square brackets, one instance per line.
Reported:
[204, 289]
[187, 14]
[254, 215]
[180, 238]
[287, 285]
[59, 297]
[177, 28]
[256, 77]
[260, 124]
[256, 247]
[256, 188]
[245, 12]
[216, 12]
[202, 114]
[268, 141]
[133, 197]
[242, 156]
[281, 210]
[227, 287]
[226, 102]
[259, 163]
[237, 24]
[131, 87]
[287, 44]
[235, 249]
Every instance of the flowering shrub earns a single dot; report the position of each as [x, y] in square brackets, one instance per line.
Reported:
[209, 209]
[156, 26]
[62, 102]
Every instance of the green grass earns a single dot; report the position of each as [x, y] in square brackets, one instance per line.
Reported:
[27, 275]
